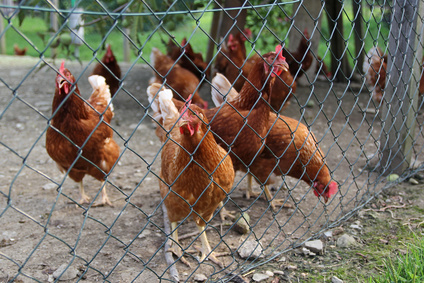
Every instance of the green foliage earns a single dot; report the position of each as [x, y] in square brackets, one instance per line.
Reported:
[406, 268]
[277, 21]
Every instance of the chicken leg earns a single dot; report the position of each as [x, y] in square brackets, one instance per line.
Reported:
[84, 197]
[174, 247]
[268, 195]
[105, 199]
[206, 248]
[224, 213]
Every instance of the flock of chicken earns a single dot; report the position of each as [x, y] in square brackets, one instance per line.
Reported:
[202, 147]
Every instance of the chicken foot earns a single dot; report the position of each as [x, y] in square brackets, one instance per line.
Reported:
[84, 197]
[174, 247]
[206, 248]
[268, 196]
[105, 199]
[224, 213]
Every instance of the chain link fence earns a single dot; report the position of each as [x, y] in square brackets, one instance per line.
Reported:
[355, 86]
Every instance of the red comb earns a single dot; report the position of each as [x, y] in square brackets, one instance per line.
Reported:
[187, 104]
[62, 67]
[184, 41]
[109, 51]
[279, 51]
[230, 38]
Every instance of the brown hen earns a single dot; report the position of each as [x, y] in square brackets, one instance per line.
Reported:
[291, 149]
[301, 59]
[79, 139]
[110, 70]
[190, 60]
[180, 80]
[196, 173]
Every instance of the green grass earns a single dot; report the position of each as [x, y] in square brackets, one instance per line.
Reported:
[33, 27]
[406, 268]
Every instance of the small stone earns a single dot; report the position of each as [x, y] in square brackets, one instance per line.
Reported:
[328, 234]
[412, 181]
[200, 277]
[291, 267]
[334, 279]
[338, 231]
[133, 126]
[144, 234]
[251, 249]
[242, 225]
[49, 186]
[310, 104]
[20, 126]
[392, 177]
[315, 246]
[69, 274]
[305, 251]
[269, 273]
[355, 226]
[258, 277]
[345, 241]
[282, 259]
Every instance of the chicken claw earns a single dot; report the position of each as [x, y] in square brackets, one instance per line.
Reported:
[178, 252]
[105, 199]
[174, 246]
[206, 248]
[224, 213]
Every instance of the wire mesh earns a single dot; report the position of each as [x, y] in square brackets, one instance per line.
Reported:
[359, 100]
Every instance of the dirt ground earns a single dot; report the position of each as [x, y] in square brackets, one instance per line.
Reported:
[42, 229]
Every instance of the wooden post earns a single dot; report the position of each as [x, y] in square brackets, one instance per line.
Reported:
[401, 97]
[231, 16]
[213, 34]
[307, 16]
[358, 34]
[339, 64]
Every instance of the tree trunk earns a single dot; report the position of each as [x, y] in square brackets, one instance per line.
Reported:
[310, 14]
[339, 64]
[225, 21]
[359, 34]
[232, 19]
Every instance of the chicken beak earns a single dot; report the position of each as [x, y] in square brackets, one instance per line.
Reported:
[325, 199]
[62, 84]
[280, 66]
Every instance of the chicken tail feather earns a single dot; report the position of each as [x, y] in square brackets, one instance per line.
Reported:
[101, 92]
[153, 97]
[221, 87]
[168, 109]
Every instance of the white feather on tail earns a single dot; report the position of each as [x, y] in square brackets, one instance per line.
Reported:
[164, 109]
[221, 87]
[153, 97]
[168, 109]
[98, 83]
